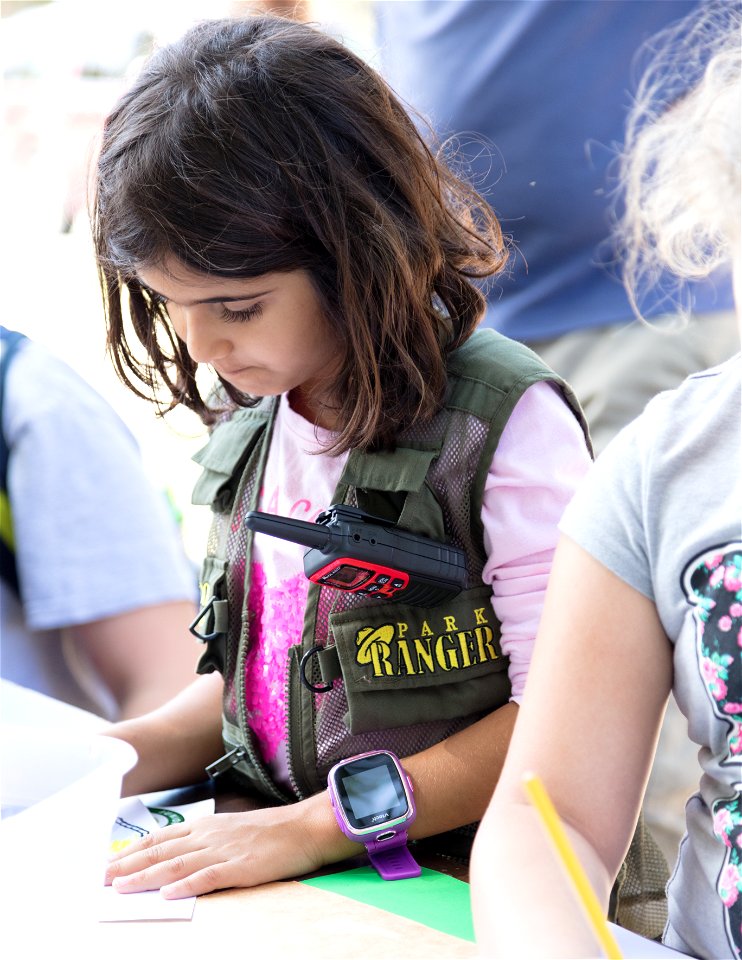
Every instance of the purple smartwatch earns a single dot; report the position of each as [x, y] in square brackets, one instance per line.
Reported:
[373, 804]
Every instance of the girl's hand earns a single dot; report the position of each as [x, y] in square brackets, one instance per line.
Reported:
[232, 850]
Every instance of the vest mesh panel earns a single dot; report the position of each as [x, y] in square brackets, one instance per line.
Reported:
[449, 475]
[638, 899]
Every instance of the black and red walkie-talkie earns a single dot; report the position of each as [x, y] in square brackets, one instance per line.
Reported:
[355, 551]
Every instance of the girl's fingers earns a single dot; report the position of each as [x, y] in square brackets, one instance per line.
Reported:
[171, 832]
[168, 871]
[148, 853]
[212, 877]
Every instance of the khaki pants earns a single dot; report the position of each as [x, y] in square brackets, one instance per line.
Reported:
[614, 371]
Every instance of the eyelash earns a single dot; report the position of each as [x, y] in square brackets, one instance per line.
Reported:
[242, 316]
[229, 316]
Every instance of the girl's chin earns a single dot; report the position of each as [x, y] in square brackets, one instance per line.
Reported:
[255, 386]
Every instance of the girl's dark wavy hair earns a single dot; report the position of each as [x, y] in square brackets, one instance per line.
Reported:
[260, 144]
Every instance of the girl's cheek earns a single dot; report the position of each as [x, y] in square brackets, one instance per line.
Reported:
[179, 326]
[176, 320]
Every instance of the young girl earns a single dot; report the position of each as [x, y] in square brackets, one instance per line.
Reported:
[265, 208]
[654, 541]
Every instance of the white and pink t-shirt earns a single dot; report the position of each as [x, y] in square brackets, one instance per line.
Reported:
[538, 464]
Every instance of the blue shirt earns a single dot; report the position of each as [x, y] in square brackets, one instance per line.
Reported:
[548, 84]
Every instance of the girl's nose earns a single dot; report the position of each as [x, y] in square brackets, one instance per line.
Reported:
[204, 335]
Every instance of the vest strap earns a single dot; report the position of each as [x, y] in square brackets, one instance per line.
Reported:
[329, 664]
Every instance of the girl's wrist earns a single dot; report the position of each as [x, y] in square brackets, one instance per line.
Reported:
[331, 844]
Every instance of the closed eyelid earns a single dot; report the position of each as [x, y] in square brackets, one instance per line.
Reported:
[233, 306]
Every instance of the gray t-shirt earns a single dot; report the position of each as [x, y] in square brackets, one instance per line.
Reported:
[662, 509]
[93, 538]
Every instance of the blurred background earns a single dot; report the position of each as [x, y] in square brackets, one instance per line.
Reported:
[64, 64]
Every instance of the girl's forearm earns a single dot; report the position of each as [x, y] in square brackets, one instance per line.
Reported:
[177, 741]
[528, 908]
[454, 780]
[453, 783]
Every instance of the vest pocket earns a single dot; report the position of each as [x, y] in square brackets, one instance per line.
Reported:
[405, 665]
[224, 457]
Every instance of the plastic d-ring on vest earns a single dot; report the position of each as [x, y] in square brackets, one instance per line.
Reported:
[213, 615]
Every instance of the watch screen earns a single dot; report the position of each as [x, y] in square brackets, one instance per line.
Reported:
[371, 791]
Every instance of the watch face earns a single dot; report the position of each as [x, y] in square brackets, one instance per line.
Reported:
[371, 792]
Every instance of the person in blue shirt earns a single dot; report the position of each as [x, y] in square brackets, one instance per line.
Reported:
[534, 94]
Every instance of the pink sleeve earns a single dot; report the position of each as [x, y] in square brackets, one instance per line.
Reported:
[539, 461]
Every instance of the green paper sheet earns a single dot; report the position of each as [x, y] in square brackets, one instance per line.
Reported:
[433, 899]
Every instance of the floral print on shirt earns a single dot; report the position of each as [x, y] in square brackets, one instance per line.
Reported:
[713, 585]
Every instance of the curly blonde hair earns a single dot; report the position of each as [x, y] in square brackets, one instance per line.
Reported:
[680, 168]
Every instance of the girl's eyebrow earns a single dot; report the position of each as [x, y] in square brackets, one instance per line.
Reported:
[245, 296]
[194, 303]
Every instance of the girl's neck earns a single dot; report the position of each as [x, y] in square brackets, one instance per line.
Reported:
[319, 415]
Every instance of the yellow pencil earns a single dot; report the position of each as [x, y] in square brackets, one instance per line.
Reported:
[586, 895]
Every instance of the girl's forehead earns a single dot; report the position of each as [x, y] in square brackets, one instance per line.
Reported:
[172, 270]
[171, 274]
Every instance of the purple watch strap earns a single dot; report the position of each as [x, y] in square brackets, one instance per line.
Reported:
[392, 857]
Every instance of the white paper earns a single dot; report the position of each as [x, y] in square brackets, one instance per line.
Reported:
[634, 947]
[133, 821]
[171, 813]
[150, 905]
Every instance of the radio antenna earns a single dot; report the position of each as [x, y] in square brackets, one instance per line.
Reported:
[297, 531]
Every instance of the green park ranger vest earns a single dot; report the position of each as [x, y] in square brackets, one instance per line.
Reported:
[385, 675]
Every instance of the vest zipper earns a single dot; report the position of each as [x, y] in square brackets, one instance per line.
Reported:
[248, 752]
[226, 762]
[288, 700]
[243, 727]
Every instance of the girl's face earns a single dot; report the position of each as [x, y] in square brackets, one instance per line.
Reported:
[265, 336]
